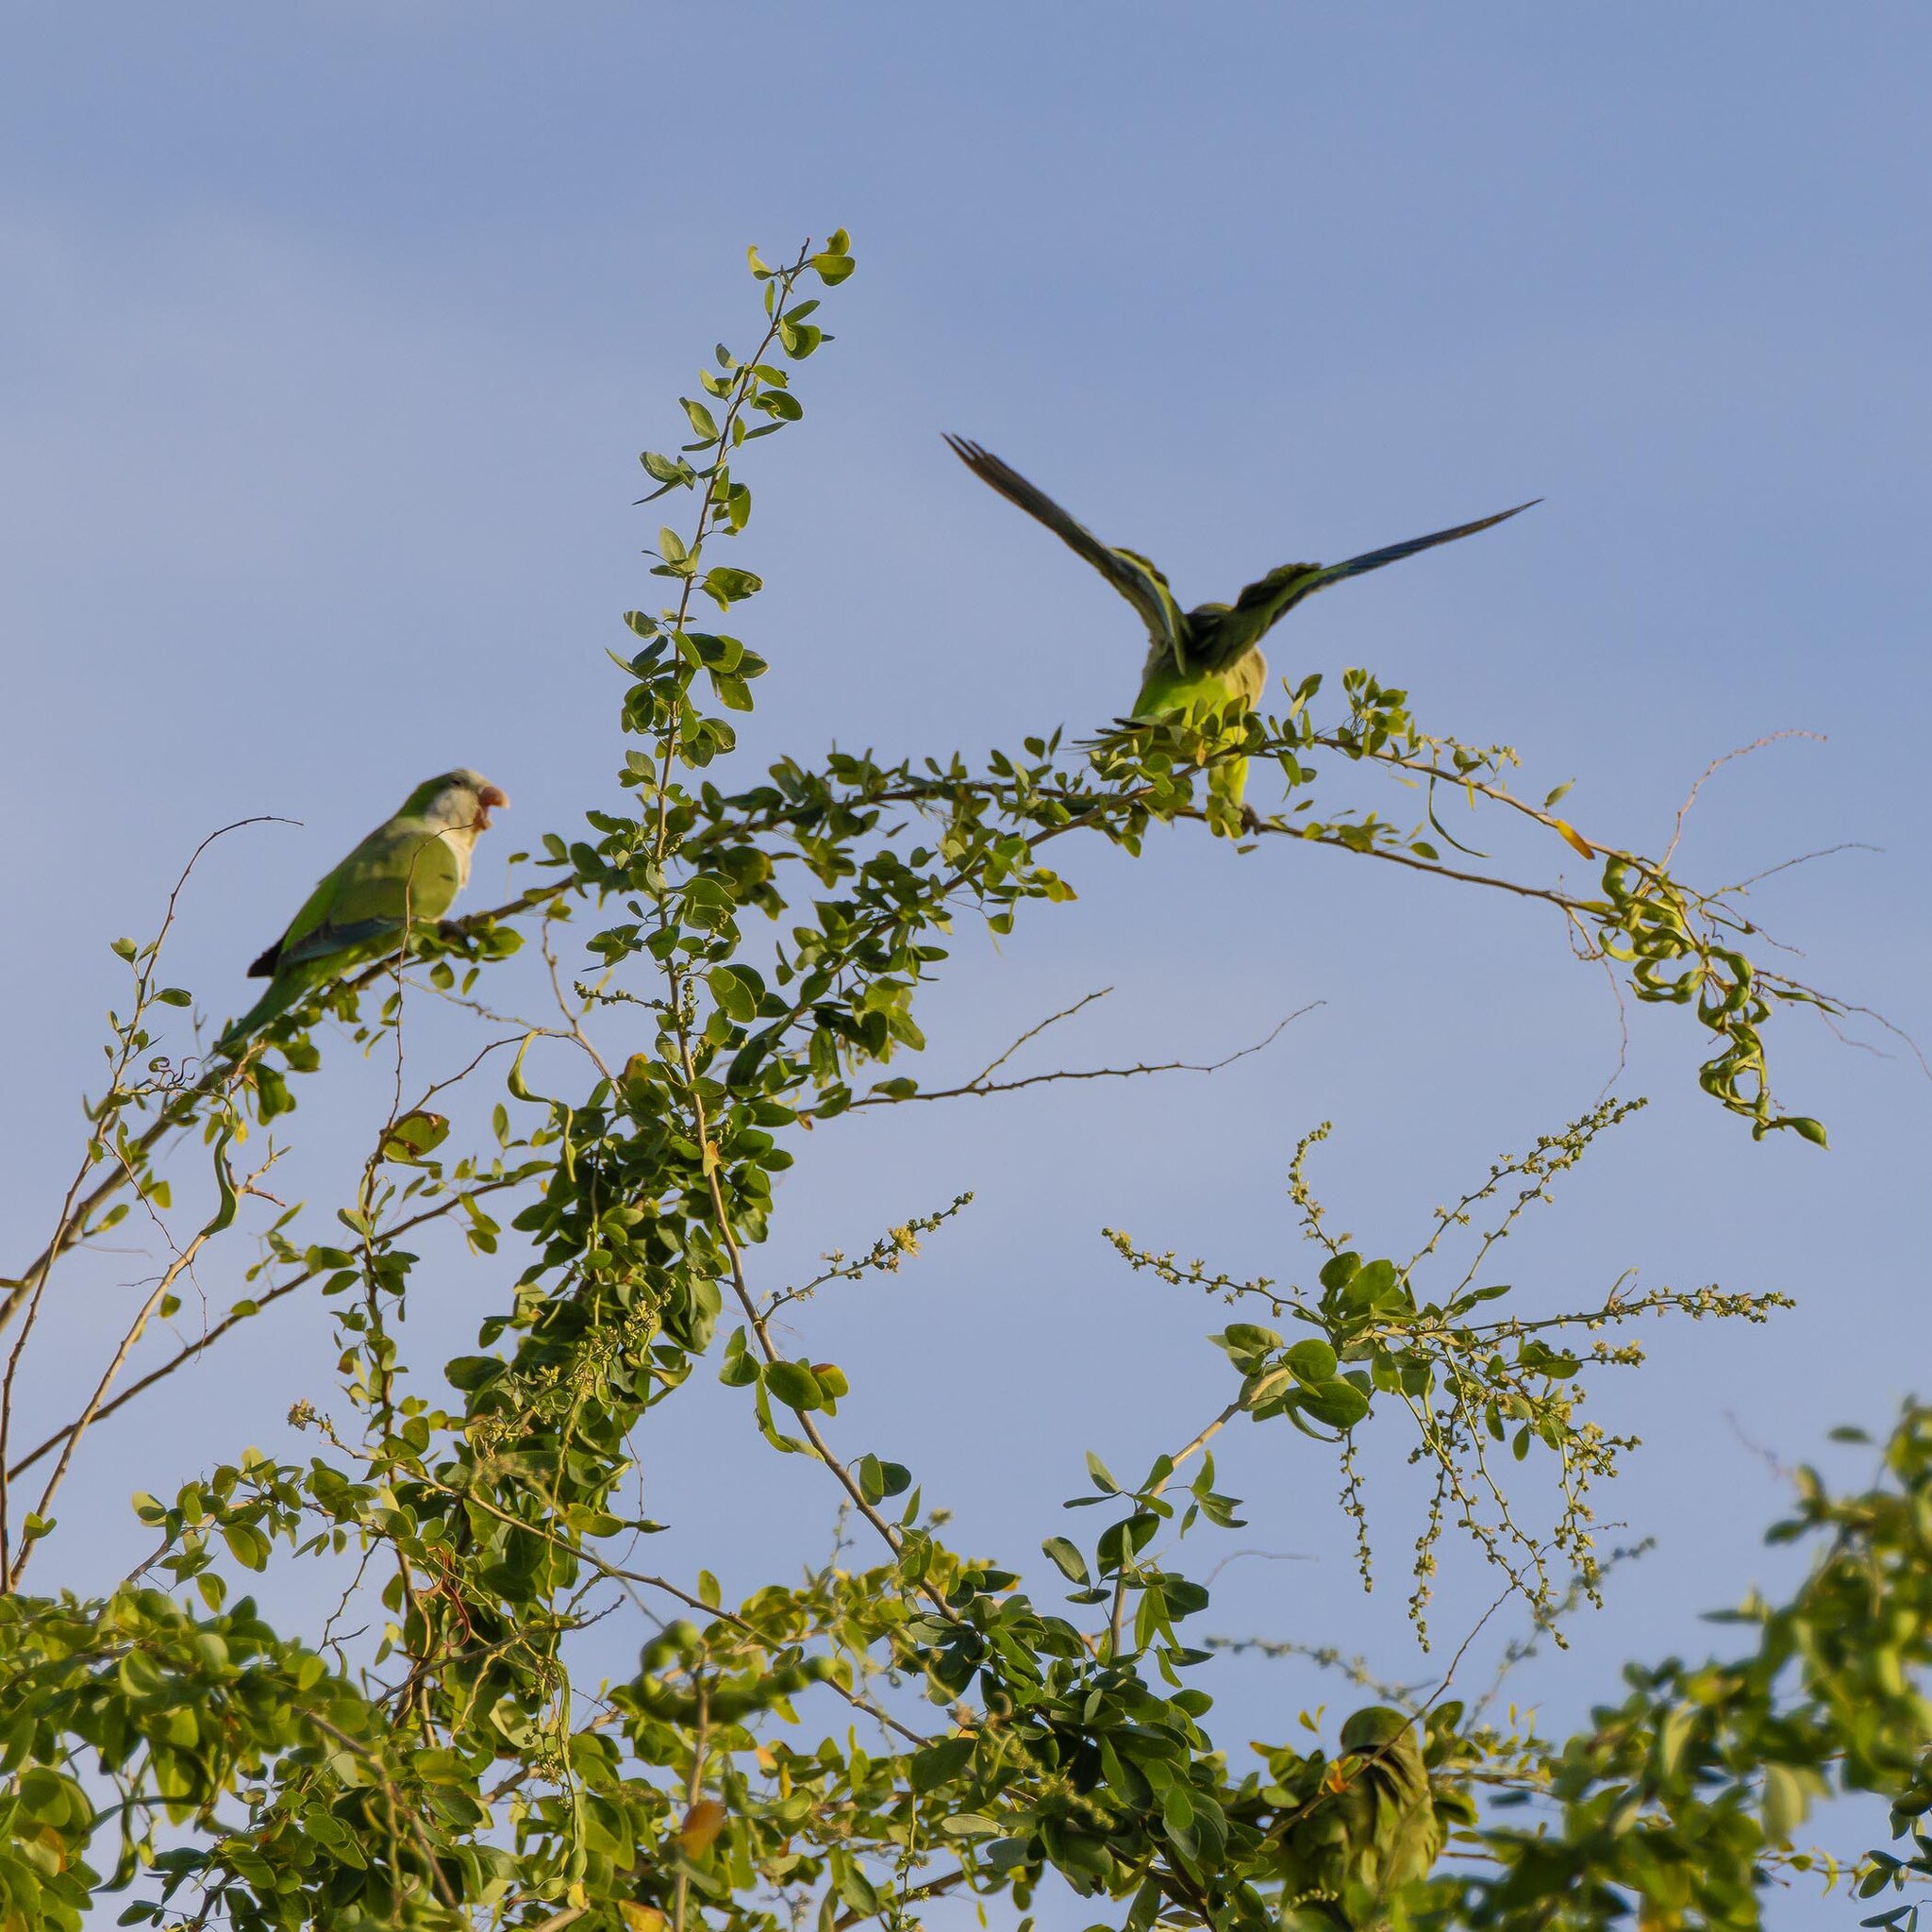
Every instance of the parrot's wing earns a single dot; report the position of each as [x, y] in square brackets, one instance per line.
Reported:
[1266, 602]
[402, 872]
[1374, 559]
[315, 911]
[1132, 575]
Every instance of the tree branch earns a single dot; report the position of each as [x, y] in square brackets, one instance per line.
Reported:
[980, 1085]
[231, 1321]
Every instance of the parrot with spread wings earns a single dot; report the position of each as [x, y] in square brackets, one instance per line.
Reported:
[406, 873]
[1205, 662]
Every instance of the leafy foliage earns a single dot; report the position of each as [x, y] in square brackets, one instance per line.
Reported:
[451, 1769]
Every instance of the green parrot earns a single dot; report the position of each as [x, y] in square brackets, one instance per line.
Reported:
[405, 873]
[1205, 662]
[1370, 1831]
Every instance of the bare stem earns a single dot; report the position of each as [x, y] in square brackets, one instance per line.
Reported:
[79, 1426]
[1194, 1447]
[980, 1085]
[279, 1293]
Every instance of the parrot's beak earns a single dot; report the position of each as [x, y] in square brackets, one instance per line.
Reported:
[488, 798]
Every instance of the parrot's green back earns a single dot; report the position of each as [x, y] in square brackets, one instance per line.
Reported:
[1195, 695]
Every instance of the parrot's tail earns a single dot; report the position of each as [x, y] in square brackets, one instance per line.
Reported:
[280, 996]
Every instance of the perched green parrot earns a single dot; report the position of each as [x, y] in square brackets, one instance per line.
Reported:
[1372, 1829]
[1205, 662]
[405, 873]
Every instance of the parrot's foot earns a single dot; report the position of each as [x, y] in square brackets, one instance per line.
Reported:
[1251, 820]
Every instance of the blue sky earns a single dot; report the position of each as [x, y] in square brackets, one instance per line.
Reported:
[330, 339]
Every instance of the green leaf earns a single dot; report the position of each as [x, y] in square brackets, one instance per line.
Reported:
[726, 585]
[473, 1372]
[968, 1825]
[738, 999]
[1248, 1338]
[1259, 1390]
[272, 1095]
[1177, 1819]
[414, 1137]
[246, 1544]
[714, 650]
[1376, 1285]
[740, 1368]
[1312, 1361]
[794, 1385]
[1067, 1559]
[701, 420]
[852, 1885]
[938, 1763]
[1340, 1405]
[228, 1202]
[878, 1479]
[1339, 1269]
[779, 404]
[799, 339]
[1785, 1803]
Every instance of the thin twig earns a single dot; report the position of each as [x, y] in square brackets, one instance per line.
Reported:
[259, 1303]
[183, 1262]
[980, 1085]
[1743, 751]
[1804, 858]
[180, 1111]
[1034, 1032]
[73, 1216]
[1877, 1019]
[1175, 1461]
[1266, 1556]
[1461, 1650]
[931, 1889]
[39, 1275]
